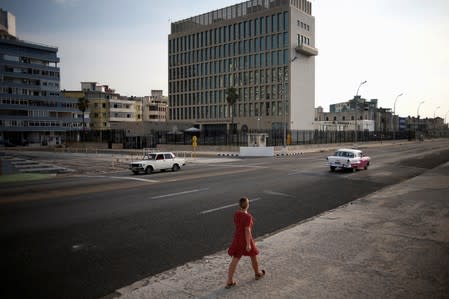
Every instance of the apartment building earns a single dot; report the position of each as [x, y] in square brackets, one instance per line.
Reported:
[356, 114]
[155, 107]
[107, 109]
[265, 49]
[32, 109]
[124, 109]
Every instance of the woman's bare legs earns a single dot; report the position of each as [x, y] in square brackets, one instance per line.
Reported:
[232, 268]
[255, 264]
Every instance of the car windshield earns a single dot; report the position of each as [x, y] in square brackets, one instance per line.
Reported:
[344, 154]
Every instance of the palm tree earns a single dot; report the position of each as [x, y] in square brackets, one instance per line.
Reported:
[232, 98]
[83, 105]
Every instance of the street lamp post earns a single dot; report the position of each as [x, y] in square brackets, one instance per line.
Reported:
[417, 116]
[394, 113]
[356, 110]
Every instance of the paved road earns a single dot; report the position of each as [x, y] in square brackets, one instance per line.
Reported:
[86, 235]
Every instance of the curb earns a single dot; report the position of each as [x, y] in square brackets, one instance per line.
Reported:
[289, 154]
[227, 155]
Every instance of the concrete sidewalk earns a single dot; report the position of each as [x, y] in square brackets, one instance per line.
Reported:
[391, 244]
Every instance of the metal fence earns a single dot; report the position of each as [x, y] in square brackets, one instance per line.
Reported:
[274, 137]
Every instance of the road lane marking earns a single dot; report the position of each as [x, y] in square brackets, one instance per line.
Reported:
[210, 174]
[49, 194]
[236, 166]
[226, 206]
[179, 193]
[119, 177]
[277, 193]
[136, 179]
[65, 192]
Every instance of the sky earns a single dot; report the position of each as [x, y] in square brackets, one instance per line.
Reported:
[398, 47]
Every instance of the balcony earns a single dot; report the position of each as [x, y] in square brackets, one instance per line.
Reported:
[29, 65]
[306, 50]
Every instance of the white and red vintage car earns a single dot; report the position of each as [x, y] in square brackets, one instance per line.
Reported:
[348, 159]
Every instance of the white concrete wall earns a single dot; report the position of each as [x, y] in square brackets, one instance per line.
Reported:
[302, 74]
[256, 151]
[11, 24]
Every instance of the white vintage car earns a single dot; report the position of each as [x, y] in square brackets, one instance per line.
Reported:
[157, 161]
[348, 159]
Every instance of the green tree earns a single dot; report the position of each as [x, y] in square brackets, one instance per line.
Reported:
[83, 105]
[231, 98]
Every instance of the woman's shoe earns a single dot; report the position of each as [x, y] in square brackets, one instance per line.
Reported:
[230, 285]
[260, 275]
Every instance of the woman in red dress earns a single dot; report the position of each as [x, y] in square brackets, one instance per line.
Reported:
[243, 243]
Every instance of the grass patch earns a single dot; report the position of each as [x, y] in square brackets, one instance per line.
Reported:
[20, 177]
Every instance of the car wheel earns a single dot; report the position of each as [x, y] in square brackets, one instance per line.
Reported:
[135, 172]
[175, 167]
[148, 170]
[332, 168]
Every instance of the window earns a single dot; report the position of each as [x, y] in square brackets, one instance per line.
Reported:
[10, 58]
[285, 21]
[268, 24]
[256, 27]
[274, 58]
[262, 25]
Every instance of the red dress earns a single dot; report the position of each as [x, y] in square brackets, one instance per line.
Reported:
[238, 246]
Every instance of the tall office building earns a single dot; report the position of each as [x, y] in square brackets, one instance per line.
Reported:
[32, 109]
[263, 48]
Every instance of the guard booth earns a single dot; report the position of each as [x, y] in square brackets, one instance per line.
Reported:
[257, 139]
[257, 146]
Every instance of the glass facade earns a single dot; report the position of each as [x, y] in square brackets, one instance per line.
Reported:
[251, 55]
[246, 46]
[31, 105]
[236, 11]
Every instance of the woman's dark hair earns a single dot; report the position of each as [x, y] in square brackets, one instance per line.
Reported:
[243, 202]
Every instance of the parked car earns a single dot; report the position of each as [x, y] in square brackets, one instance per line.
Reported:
[157, 161]
[348, 159]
